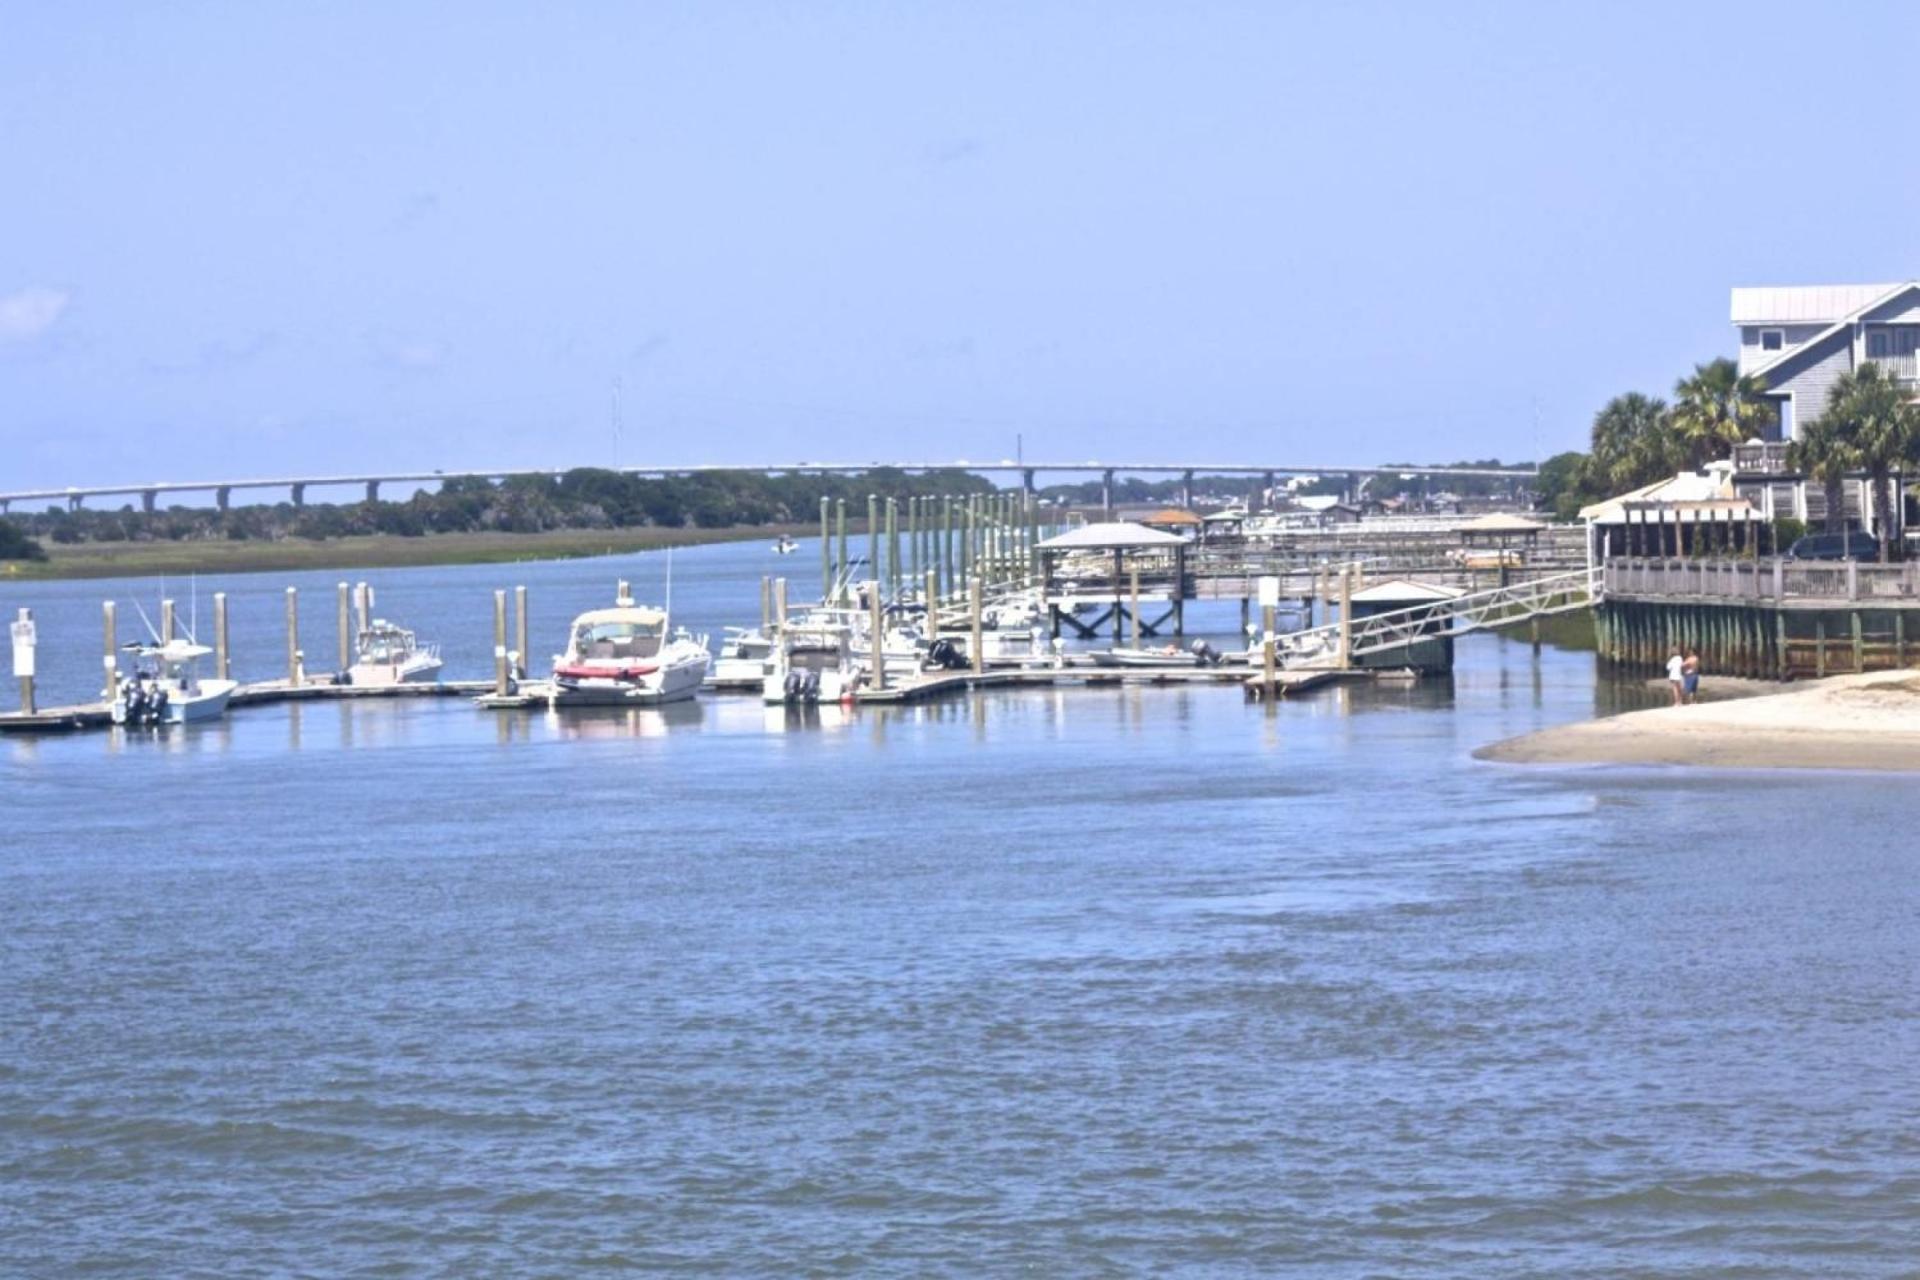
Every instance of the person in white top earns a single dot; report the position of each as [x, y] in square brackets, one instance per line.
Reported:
[1677, 676]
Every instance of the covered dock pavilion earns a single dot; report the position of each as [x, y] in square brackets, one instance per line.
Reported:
[1111, 567]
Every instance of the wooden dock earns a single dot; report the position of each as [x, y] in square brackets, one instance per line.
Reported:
[939, 684]
[98, 715]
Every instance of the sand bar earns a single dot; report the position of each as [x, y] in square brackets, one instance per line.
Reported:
[1846, 722]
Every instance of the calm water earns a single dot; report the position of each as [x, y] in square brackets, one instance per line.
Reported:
[1081, 982]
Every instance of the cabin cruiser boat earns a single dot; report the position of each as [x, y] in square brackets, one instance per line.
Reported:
[386, 654]
[812, 661]
[165, 687]
[625, 656]
[742, 663]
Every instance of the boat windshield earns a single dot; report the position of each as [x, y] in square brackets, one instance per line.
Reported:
[617, 640]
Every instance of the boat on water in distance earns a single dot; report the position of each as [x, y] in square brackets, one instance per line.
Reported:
[165, 687]
[388, 654]
[626, 656]
[785, 546]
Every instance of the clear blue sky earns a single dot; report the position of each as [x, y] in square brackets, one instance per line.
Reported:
[257, 238]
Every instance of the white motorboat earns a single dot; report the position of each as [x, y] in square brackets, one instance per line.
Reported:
[386, 654]
[742, 663]
[166, 689]
[625, 656]
[785, 546]
[812, 661]
[1201, 654]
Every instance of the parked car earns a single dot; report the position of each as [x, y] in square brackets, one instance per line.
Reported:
[1835, 546]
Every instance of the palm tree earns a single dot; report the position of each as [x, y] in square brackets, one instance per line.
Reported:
[1825, 451]
[1883, 427]
[1632, 443]
[1717, 408]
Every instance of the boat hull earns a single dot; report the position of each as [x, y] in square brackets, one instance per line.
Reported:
[674, 682]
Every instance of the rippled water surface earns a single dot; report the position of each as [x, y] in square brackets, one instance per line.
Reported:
[1071, 982]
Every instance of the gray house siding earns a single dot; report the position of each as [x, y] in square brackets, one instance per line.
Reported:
[1793, 335]
[1809, 379]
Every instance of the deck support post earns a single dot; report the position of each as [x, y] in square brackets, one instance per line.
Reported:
[1780, 642]
[1133, 602]
[1899, 638]
[1859, 648]
[1820, 642]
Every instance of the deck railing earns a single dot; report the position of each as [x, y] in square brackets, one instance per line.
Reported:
[1769, 581]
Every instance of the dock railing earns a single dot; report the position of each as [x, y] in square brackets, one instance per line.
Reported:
[1768, 581]
[1478, 611]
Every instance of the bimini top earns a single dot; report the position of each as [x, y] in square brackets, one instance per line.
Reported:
[636, 615]
[1110, 535]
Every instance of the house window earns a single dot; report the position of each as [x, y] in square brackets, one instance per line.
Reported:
[1878, 346]
[1772, 339]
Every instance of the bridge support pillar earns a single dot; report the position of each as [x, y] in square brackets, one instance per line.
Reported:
[222, 497]
[1026, 480]
[1106, 493]
[299, 495]
[148, 500]
[73, 502]
[373, 491]
[1186, 490]
[1266, 490]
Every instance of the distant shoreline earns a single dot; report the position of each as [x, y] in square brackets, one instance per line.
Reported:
[370, 551]
[1867, 722]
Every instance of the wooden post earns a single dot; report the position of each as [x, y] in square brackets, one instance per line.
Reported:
[1820, 643]
[873, 535]
[826, 549]
[1859, 649]
[913, 538]
[220, 648]
[1533, 633]
[1346, 619]
[877, 622]
[1269, 655]
[1899, 638]
[500, 643]
[973, 619]
[1780, 643]
[840, 519]
[24, 670]
[110, 635]
[1133, 602]
[346, 648]
[780, 603]
[520, 625]
[946, 542]
[933, 605]
[293, 635]
[766, 602]
[893, 549]
[363, 604]
[169, 621]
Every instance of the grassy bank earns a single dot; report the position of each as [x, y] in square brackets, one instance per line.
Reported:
[376, 551]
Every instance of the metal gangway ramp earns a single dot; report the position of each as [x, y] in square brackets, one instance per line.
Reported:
[1478, 611]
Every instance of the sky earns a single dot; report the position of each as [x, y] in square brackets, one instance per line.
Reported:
[241, 240]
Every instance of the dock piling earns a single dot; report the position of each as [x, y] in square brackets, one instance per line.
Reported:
[500, 643]
[220, 649]
[780, 603]
[346, 644]
[877, 637]
[977, 648]
[766, 602]
[293, 635]
[110, 635]
[1346, 618]
[826, 548]
[23, 662]
[168, 622]
[520, 627]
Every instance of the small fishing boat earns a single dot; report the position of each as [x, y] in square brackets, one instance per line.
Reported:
[165, 687]
[785, 546]
[386, 654]
[742, 664]
[812, 662]
[1201, 654]
[626, 656]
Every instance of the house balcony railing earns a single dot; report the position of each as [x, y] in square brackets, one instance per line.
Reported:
[1769, 581]
[1766, 458]
[1905, 368]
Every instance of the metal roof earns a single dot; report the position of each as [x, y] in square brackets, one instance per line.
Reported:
[1110, 535]
[1805, 304]
[1501, 522]
[1403, 591]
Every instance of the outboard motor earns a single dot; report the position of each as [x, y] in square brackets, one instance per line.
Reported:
[945, 655]
[1205, 654]
[810, 686]
[794, 686]
[157, 709]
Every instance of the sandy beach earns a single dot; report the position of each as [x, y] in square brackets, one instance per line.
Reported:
[1867, 721]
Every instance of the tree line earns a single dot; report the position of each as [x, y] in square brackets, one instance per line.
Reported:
[584, 498]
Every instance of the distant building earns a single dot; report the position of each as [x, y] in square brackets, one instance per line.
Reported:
[1799, 339]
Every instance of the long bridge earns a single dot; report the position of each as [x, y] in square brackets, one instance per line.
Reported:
[222, 491]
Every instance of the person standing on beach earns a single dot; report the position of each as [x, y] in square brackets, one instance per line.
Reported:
[1677, 675]
[1690, 677]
